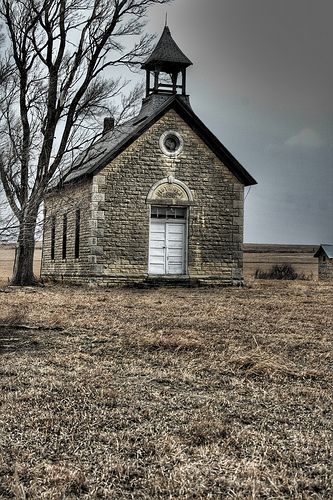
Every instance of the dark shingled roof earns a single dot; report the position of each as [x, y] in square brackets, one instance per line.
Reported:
[325, 249]
[154, 107]
[167, 53]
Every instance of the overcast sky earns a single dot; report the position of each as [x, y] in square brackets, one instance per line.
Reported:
[262, 81]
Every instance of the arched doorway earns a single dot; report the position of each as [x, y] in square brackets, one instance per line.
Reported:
[167, 242]
[169, 201]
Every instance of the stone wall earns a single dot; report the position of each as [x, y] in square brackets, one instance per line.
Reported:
[215, 217]
[56, 205]
[325, 268]
[115, 227]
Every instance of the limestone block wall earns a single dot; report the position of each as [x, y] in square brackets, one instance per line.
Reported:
[115, 215]
[215, 230]
[325, 268]
[57, 204]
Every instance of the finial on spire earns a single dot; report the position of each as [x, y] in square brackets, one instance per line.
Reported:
[166, 19]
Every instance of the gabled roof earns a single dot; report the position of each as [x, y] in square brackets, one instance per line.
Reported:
[326, 250]
[166, 53]
[154, 107]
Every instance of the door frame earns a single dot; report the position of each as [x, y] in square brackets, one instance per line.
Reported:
[185, 222]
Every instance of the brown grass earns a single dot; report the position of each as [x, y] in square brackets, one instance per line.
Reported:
[165, 393]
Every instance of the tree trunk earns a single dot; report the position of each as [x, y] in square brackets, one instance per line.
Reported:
[23, 273]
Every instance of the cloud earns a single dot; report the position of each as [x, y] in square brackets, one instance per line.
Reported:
[306, 138]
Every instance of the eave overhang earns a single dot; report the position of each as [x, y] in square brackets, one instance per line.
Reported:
[185, 111]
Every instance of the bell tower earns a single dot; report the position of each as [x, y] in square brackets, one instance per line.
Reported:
[166, 67]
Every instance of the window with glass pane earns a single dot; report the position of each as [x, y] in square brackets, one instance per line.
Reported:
[168, 213]
[77, 234]
[180, 213]
[154, 212]
[53, 229]
[64, 236]
[171, 213]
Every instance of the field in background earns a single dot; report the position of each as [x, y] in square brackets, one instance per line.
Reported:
[7, 254]
[264, 256]
[256, 256]
[167, 393]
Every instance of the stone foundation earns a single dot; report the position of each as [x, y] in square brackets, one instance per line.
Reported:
[144, 281]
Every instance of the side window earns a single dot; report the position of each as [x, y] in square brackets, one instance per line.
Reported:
[53, 230]
[77, 234]
[64, 236]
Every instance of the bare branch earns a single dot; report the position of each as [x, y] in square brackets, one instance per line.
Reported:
[57, 84]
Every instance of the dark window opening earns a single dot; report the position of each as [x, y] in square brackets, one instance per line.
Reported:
[171, 143]
[168, 213]
[64, 237]
[77, 234]
[53, 228]
[180, 213]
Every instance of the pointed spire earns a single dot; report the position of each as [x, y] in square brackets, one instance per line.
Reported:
[166, 58]
[166, 55]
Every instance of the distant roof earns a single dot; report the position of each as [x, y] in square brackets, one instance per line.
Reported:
[166, 53]
[111, 144]
[326, 249]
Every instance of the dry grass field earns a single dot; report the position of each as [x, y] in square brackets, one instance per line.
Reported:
[167, 393]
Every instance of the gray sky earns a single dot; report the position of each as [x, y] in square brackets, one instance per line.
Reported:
[262, 81]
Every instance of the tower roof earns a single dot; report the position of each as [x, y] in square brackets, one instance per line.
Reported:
[167, 54]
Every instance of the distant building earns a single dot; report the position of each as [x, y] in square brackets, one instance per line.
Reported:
[159, 198]
[325, 262]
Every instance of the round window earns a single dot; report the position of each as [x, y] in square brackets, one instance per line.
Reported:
[171, 143]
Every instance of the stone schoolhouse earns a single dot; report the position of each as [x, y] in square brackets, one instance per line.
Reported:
[157, 199]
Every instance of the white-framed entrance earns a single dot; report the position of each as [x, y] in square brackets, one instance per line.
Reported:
[167, 240]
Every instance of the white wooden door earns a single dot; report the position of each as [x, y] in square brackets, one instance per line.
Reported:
[175, 248]
[167, 247]
[157, 248]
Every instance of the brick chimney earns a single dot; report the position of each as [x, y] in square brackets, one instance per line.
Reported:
[108, 124]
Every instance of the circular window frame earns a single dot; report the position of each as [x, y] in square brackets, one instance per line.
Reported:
[164, 136]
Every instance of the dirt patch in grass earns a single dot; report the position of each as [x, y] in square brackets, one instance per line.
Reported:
[223, 393]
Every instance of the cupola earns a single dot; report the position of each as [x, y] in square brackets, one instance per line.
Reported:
[165, 64]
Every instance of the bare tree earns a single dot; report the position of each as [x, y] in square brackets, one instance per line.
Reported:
[8, 222]
[57, 89]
